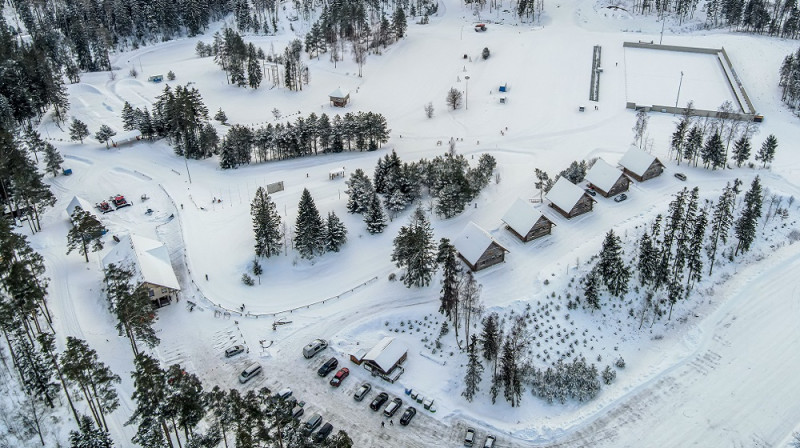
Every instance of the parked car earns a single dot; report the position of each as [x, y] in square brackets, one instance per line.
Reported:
[378, 401]
[362, 392]
[590, 191]
[337, 379]
[297, 412]
[680, 176]
[314, 347]
[392, 407]
[408, 415]
[328, 367]
[489, 442]
[323, 432]
[233, 351]
[250, 372]
[311, 424]
[284, 393]
[469, 438]
[620, 197]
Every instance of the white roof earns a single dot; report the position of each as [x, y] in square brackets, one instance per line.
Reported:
[565, 194]
[637, 161]
[473, 242]
[78, 201]
[149, 260]
[339, 93]
[602, 175]
[522, 216]
[337, 170]
[127, 136]
[386, 353]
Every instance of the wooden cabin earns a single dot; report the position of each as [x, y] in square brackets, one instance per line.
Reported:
[526, 221]
[569, 199]
[478, 249]
[607, 180]
[640, 165]
[385, 356]
[151, 266]
[339, 98]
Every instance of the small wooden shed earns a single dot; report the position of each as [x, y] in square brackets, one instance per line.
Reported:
[641, 165]
[607, 180]
[478, 249]
[526, 221]
[569, 199]
[339, 97]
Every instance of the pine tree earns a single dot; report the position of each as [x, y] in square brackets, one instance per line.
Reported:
[399, 24]
[474, 370]
[52, 159]
[713, 153]
[128, 117]
[415, 251]
[447, 258]
[335, 233]
[359, 191]
[454, 98]
[88, 436]
[490, 338]
[105, 133]
[78, 130]
[91, 378]
[266, 225]
[678, 138]
[374, 216]
[741, 150]
[694, 144]
[647, 261]
[611, 267]
[767, 152]
[150, 393]
[721, 221]
[747, 225]
[185, 400]
[86, 233]
[131, 305]
[220, 116]
[695, 253]
[591, 289]
[308, 238]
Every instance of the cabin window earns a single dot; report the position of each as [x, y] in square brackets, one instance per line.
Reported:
[152, 293]
[163, 290]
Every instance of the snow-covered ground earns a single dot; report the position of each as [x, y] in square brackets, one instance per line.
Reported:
[719, 374]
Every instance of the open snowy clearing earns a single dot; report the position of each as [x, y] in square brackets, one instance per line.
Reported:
[709, 379]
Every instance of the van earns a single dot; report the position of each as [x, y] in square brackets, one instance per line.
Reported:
[323, 432]
[312, 423]
[250, 372]
[314, 347]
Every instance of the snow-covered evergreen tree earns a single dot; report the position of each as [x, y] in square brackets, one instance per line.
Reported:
[474, 370]
[721, 221]
[52, 159]
[78, 130]
[491, 339]
[767, 152]
[359, 191]
[678, 139]
[746, 226]
[591, 289]
[85, 234]
[611, 268]
[89, 436]
[374, 216]
[447, 257]
[693, 145]
[335, 233]
[105, 133]
[91, 378]
[741, 150]
[647, 260]
[415, 250]
[713, 152]
[308, 238]
[266, 225]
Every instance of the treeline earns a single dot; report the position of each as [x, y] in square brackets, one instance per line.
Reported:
[708, 140]
[673, 253]
[790, 80]
[362, 131]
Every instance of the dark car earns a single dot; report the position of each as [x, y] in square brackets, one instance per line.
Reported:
[328, 367]
[590, 191]
[680, 176]
[362, 392]
[323, 432]
[408, 415]
[337, 379]
[378, 401]
[620, 197]
[392, 407]
[297, 412]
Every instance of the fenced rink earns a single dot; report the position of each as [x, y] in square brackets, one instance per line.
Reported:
[658, 75]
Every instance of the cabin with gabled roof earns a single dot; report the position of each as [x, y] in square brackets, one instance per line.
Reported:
[607, 180]
[527, 222]
[640, 165]
[569, 199]
[478, 249]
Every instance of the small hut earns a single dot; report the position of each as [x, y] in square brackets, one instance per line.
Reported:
[336, 172]
[569, 199]
[339, 98]
[124, 138]
[607, 180]
[526, 221]
[641, 165]
[78, 202]
[385, 356]
[478, 249]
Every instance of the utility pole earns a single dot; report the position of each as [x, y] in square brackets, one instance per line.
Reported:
[679, 90]
[663, 21]
[466, 101]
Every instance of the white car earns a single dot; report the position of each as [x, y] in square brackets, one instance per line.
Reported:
[233, 351]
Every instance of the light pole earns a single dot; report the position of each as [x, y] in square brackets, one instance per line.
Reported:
[679, 90]
[663, 21]
[466, 101]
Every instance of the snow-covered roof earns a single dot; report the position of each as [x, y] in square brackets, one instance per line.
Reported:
[339, 93]
[337, 170]
[637, 161]
[149, 260]
[565, 194]
[522, 216]
[78, 201]
[473, 242]
[602, 175]
[126, 137]
[386, 353]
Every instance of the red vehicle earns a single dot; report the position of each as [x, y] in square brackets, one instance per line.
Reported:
[104, 207]
[120, 201]
[480, 27]
[337, 379]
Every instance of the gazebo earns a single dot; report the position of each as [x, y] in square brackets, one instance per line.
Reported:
[339, 98]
